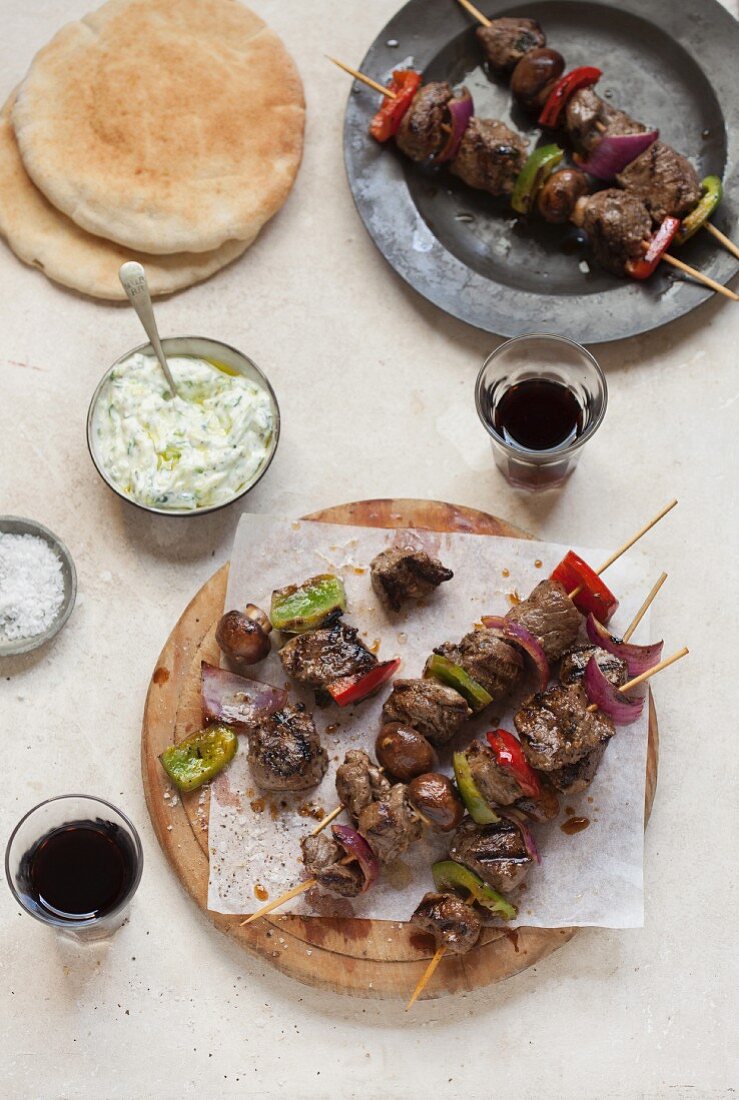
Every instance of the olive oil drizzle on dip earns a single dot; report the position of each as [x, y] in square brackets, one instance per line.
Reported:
[194, 451]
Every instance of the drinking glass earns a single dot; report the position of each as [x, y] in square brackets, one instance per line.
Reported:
[540, 357]
[68, 811]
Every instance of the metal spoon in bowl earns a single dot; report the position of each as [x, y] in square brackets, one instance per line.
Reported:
[133, 281]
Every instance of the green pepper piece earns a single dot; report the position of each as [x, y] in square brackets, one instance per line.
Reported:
[200, 756]
[301, 607]
[441, 668]
[477, 807]
[538, 166]
[449, 875]
[713, 192]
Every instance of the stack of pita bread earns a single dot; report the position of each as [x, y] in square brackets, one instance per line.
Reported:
[165, 131]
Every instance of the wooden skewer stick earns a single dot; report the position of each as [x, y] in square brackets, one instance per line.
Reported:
[483, 19]
[644, 608]
[627, 545]
[428, 972]
[326, 820]
[722, 239]
[287, 896]
[648, 674]
[700, 277]
[364, 79]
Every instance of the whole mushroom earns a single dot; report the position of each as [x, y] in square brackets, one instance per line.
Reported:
[436, 799]
[243, 636]
[404, 752]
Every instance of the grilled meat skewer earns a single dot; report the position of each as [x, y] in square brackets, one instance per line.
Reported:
[454, 925]
[285, 751]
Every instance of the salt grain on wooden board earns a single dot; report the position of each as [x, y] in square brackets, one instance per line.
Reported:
[31, 586]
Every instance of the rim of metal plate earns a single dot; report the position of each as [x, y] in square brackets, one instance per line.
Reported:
[710, 35]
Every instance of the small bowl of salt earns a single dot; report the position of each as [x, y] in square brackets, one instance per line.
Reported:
[38, 585]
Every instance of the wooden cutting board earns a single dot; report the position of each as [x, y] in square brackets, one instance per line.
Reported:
[365, 958]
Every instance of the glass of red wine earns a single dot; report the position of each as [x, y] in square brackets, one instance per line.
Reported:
[541, 398]
[74, 863]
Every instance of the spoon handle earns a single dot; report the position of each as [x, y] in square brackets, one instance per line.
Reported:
[133, 281]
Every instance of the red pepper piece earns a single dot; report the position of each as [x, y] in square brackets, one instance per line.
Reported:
[592, 594]
[563, 89]
[405, 83]
[353, 689]
[509, 755]
[660, 242]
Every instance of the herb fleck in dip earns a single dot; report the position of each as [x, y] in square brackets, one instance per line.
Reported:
[188, 452]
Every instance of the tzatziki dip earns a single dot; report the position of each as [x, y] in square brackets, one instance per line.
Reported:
[197, 450]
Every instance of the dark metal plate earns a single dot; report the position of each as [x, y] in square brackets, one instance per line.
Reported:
[670, 63]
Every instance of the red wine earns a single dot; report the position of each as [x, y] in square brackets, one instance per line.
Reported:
[80, 871]
[538, 414]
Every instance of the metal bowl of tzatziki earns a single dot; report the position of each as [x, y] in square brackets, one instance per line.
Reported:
[193, 453]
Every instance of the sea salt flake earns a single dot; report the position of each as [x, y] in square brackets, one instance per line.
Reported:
[31, 586]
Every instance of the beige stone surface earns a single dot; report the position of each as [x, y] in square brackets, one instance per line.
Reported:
[376, 392]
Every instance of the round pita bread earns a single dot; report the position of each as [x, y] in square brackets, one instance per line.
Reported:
[164, 125]
[43, 237]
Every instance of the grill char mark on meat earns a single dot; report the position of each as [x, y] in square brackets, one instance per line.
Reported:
[451, 922]
[402, 573]
[618, 226]
[505, 41]
[285, 751]
[420, 134]
[542, 809]
[359, 782]
[322, 857]
[320, 657]
[573, 778]
[488, 659]
[431, 708]
[556, 729]
[391, 825]
[490, 156]
[496, 853]
[551, 616]
[664, 180]
[575, 661]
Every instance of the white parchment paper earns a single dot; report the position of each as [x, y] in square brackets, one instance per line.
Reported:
[591, 878]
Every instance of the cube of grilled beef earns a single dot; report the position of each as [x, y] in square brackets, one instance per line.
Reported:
[575, 661]
[541, 809]
[431, 708]
[359, 782]
[556, 729]
[451, 922]
[588, 119]
[573, 778]
[391, 825]
[506, 40]
[322, 857]
[488, 659]
[320, 657]
[285, 751]
[496, 785]
[551, 616]
[497, 853]
[420, 134]
[402, 573]
[618, 226]
[490, 156]
[665, 181]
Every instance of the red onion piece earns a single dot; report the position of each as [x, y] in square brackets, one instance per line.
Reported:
[235, 700]
[355, 845]
[638, 658]
[614, 152]
[514, 632]
[528, 837]
[619, 707]
[460, 112]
